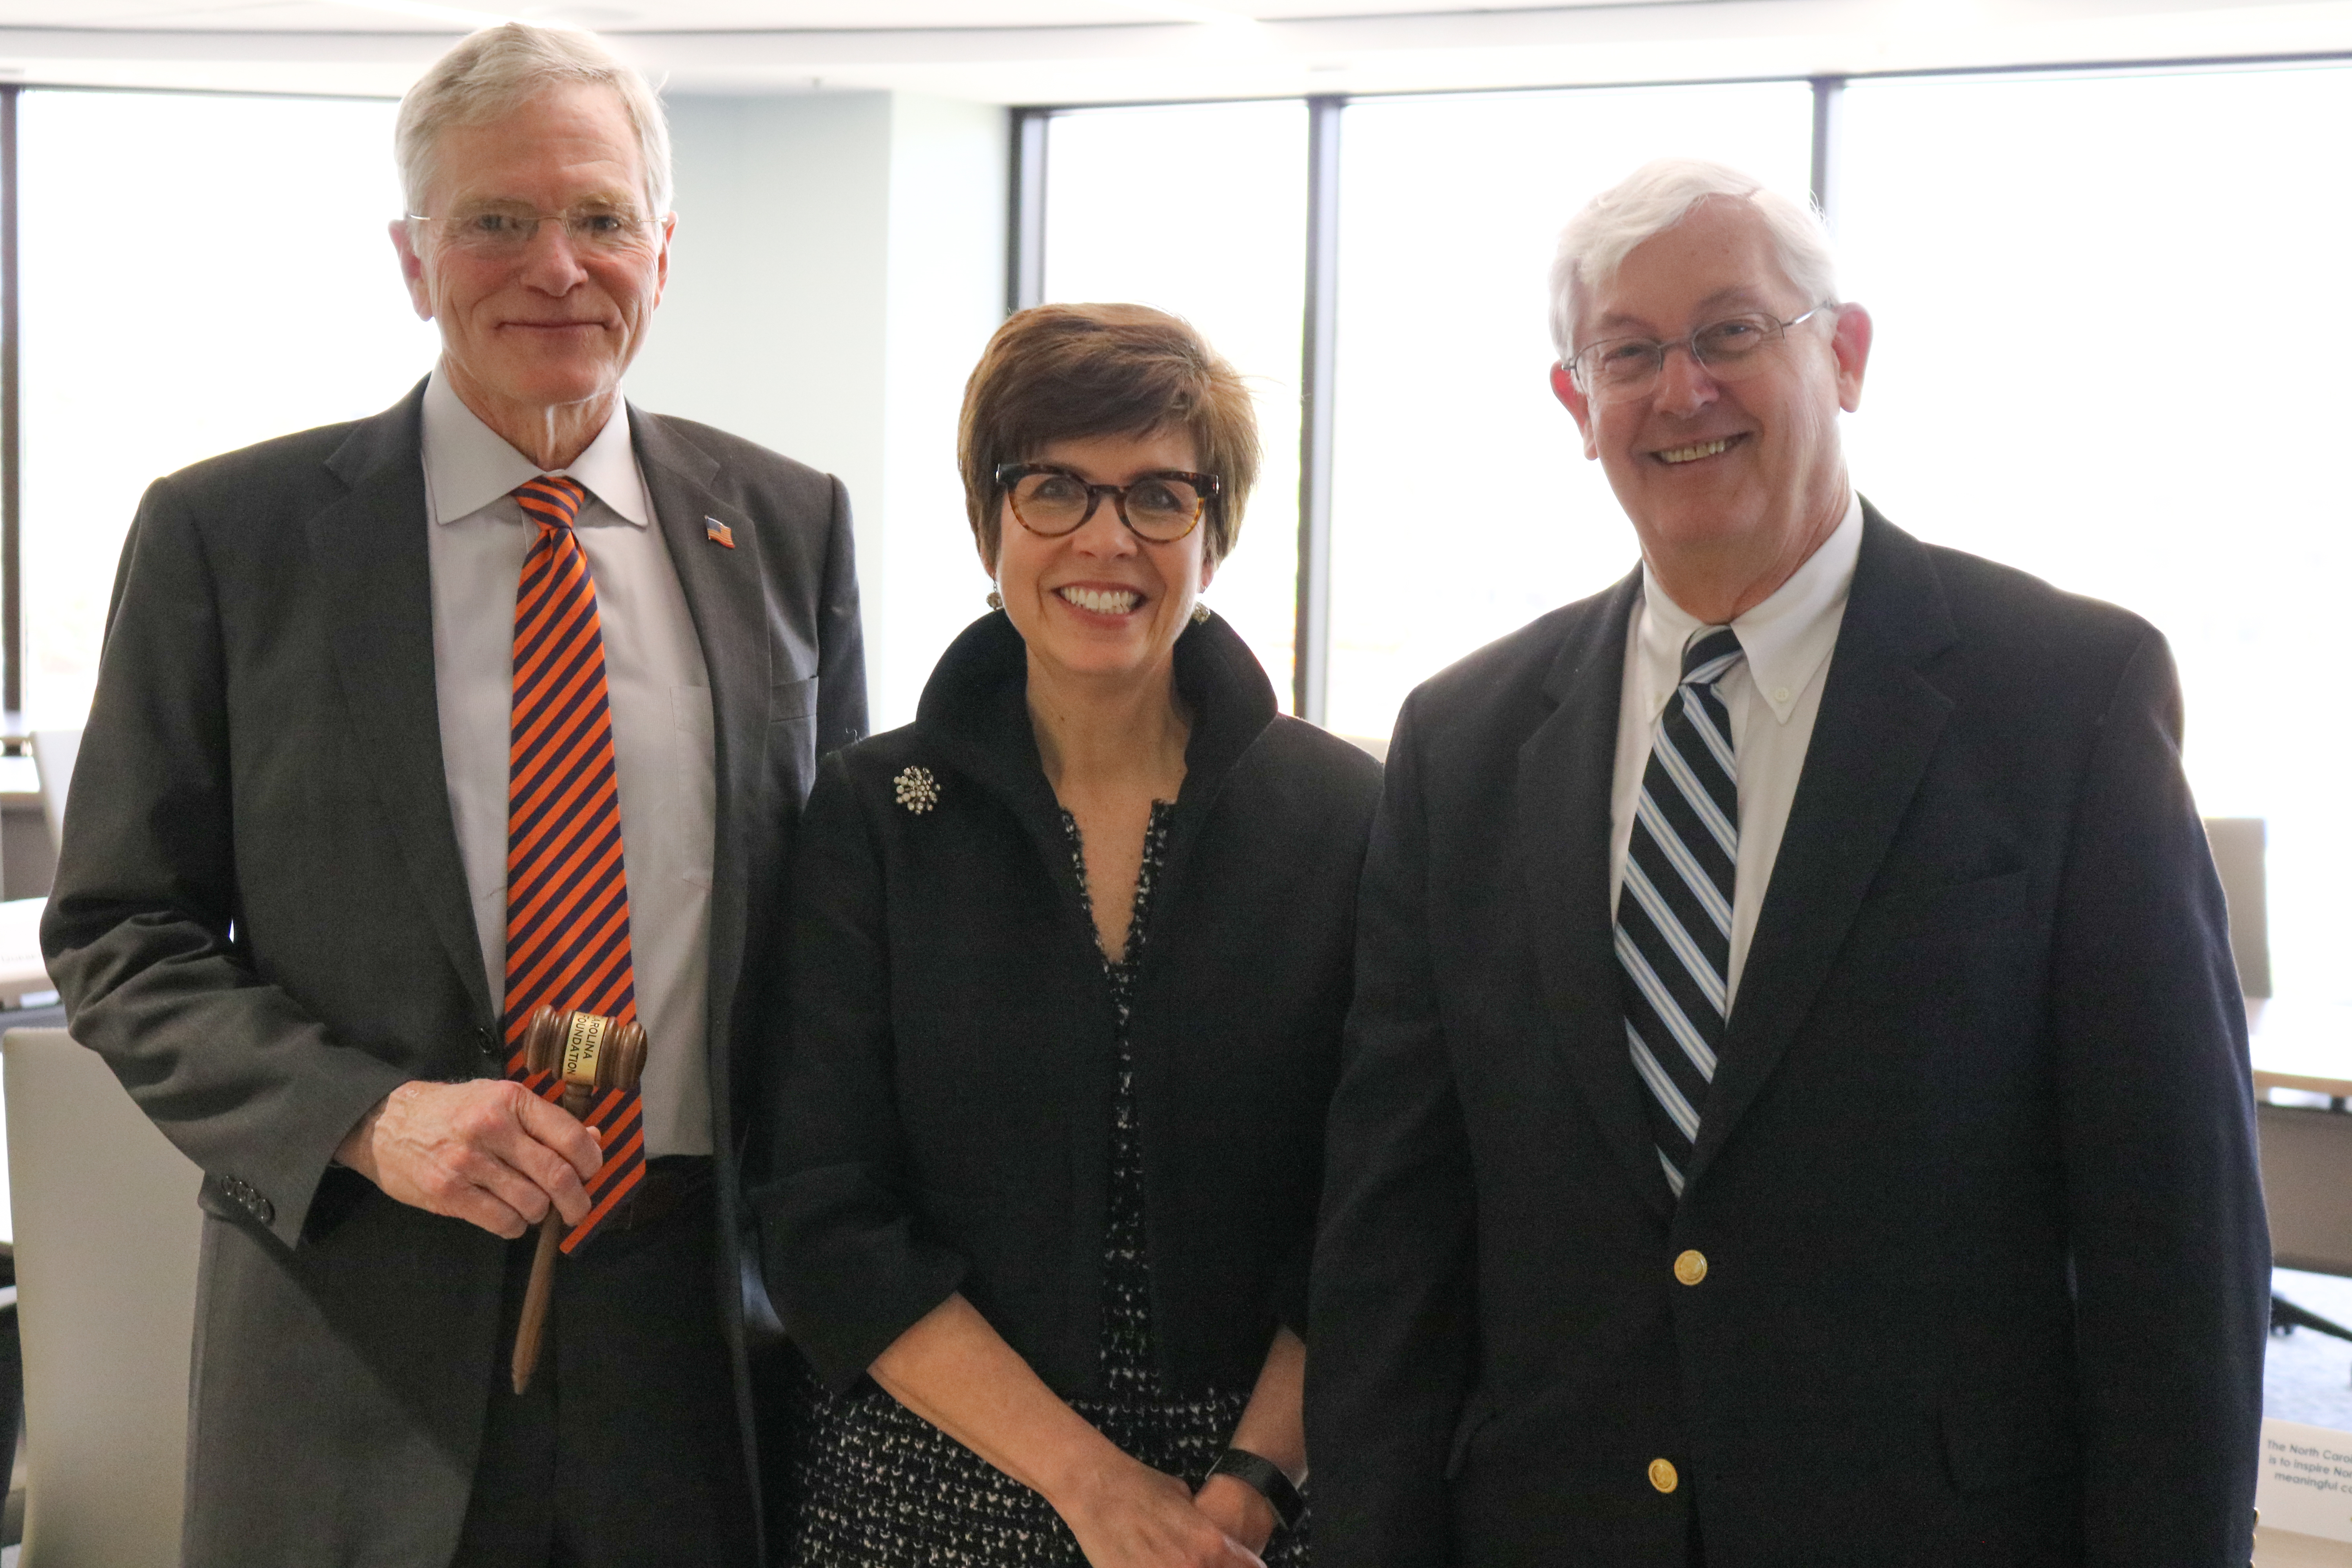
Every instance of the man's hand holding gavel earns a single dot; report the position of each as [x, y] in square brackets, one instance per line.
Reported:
[488, 1151]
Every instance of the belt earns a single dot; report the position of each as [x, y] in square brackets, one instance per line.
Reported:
[670, 1181]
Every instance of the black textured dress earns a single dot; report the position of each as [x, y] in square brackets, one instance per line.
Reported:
[881, 1488]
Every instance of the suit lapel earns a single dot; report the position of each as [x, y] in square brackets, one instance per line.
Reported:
[1879, 721]
[372, 549]
[722, 585]
[1567, 770]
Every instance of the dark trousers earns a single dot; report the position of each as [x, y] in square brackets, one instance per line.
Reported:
[625, 1450]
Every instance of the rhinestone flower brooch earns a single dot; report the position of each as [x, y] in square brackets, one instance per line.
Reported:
[917, 790]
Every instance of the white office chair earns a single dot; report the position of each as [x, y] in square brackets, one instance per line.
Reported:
[2238, 845]
[107, 1233]
[53, 757]
[22, 971]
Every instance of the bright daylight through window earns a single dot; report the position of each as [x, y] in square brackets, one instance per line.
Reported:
[199, 272]
[2058, 382]
[2084, 368]
[1462, 504]
[1198, 210]
[1978, 218]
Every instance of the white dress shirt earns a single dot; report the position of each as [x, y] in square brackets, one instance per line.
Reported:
[662, 736]
[1773, 696]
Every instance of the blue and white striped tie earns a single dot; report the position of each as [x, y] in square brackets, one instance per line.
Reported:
[1674, 911]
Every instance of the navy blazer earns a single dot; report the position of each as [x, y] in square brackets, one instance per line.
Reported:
[942, 1119]
[1974, 1184]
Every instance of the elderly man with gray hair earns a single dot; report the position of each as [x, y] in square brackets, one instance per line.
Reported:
[504, 698]
[1795, 1110]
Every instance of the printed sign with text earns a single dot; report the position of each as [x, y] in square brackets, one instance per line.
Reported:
[2306, 1480]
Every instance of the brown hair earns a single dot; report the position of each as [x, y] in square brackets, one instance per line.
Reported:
[1056, 373]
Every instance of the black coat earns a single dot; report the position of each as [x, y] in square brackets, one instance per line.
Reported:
[942, 1119]
[1975, 1183]
[261, 922]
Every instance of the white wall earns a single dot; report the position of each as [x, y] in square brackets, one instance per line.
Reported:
[950, 201]
[839, 262]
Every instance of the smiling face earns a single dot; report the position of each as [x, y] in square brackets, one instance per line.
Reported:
[1100, 603]
[556, 324]
[1729, 483]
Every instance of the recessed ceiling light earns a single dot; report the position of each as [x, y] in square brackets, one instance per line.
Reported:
[1188, 11]
[584, 15]
[456, 16]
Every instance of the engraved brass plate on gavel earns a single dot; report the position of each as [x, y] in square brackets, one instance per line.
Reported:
[583, 1044]
[592, 1055]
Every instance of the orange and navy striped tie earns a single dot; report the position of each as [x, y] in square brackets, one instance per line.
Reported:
[567, 888]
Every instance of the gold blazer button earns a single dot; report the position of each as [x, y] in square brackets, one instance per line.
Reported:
[1663, 1477]
[1690, 1268]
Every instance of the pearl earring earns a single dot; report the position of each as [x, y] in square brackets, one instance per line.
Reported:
[1199, 612]
[996, 600]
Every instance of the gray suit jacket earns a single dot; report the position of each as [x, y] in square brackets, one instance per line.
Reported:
[260, 920]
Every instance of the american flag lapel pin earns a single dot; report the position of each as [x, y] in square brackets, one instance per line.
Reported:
[718, 532]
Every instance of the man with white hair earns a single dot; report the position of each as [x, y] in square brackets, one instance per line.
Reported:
[506, 697]
[1795, 1109]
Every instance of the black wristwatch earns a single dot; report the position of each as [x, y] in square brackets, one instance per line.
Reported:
[1265, 1477]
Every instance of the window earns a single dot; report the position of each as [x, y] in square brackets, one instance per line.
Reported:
[1461, 505]
[1200, 211]
[2100, 306]
[2054, 262]
[197, 273]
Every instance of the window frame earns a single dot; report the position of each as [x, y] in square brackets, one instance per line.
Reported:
[1311, 629]
[1318, 368]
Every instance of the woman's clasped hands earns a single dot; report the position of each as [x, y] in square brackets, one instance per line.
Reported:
[1128, 1515]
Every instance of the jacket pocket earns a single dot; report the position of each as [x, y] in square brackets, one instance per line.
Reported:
[2005, 1437]
[791, 700]
[1987, 904]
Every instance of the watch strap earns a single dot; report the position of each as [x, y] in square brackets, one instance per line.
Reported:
[1264, 1476]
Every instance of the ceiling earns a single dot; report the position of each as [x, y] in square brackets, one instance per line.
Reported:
[708, 16]
[1080, 51]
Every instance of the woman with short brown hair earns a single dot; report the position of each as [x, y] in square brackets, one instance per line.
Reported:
[1069, 956]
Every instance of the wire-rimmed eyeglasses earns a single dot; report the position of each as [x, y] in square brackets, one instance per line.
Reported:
[1616, 370]
[500, 228]
[1162, 506]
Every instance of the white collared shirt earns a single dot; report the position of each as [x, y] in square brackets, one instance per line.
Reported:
[1773, 698]
[662, 726]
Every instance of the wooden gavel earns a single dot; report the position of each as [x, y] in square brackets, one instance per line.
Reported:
[592, 1055]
